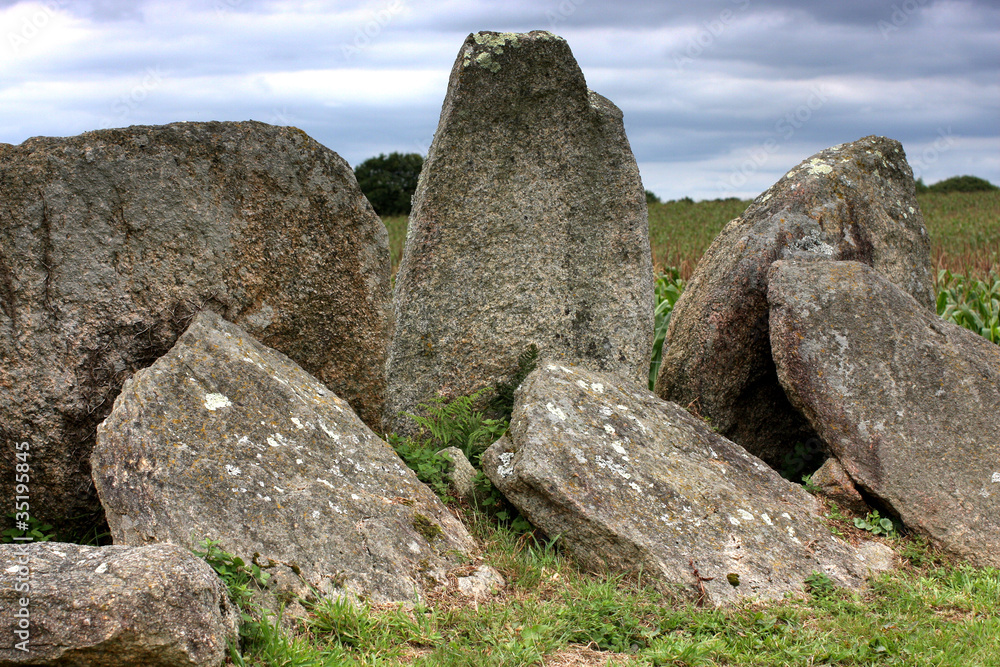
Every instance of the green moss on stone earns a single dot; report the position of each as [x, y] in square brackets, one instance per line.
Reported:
[430, 530]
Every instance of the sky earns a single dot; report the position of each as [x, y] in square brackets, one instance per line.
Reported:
[720, 98]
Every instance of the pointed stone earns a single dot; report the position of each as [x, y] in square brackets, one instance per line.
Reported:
[529, 226]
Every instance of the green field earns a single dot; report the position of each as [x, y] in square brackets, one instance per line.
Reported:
[964, 228]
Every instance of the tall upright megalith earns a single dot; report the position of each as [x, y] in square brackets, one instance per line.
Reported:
[529, 226]
[110, 242]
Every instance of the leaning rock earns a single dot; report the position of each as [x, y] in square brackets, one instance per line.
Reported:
[111, 240]
[908, 403]
[225, 439]
[156, 606]
[632, 483]
[529, 226]
[461, 475]
[851, 202]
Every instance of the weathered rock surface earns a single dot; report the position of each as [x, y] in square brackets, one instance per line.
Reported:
[908, 403]
[529, 226]
[834, 483]
[631, 482]
[461, 475]
[223, 438]
[851, 202]
[156, 605]
[111, 240]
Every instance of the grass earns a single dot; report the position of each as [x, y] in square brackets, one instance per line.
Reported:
[964, 228]
[928, 612]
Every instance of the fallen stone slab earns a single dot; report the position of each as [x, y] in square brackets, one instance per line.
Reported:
[225, 439]
[529, 227]
[111, 240]
[908, 403]
[631, 483]
[67, 604]
[854, 201]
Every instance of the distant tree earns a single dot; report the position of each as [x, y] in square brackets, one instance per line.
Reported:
[921, 186]
[651, 198]
[962, 184]
[389, 181]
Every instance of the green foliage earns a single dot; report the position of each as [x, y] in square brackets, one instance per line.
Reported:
[973, 304]
[961, 184]
[877, 525]
[667, 291]
[457, 423]
[803, 459]
[37, 530]
[503, 401]
[422, 458]
[820, 585]
[389, 181]
[243, 582]
[651, 198]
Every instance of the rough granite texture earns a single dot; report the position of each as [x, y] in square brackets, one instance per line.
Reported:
[529, 226]
[833, 483]
[223, 438]
[908, 403]
[631, 482]
[854, 201]
[111, 240]
[156, 606]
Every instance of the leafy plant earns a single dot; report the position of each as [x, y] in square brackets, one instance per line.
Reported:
[820, 585]
[803, 459]
[243, 582]
[457, 423]
[667, 291]
[972, 304]
[877, 525]
[37, 530]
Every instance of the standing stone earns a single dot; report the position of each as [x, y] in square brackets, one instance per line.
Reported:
[854, 201]
[631, 483]
[111, 240]
[529, 226]
[156, 606]
[225, 439]
[908, 403]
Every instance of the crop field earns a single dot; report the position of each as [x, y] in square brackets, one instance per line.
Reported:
[964, 228]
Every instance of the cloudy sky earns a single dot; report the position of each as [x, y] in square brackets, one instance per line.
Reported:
[720, 98]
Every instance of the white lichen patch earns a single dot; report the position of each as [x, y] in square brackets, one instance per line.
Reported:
[316, 514]
[413, 547]
[609, 429]
[582, 385]
[996, 478]
[555, 411]
[101, 569]
[298, 424]
[623, 408]
[578, 454]
[232, 470]
[817, 167]
[617, 446]
[215, 401]
[733, 520]
[746, 516]
[606, 411]
[766, 519]
[506, 467]
[617, 468]
[597, 387]
[325, 483]
[635, 487]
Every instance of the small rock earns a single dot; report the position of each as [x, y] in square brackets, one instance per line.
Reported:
[461, 474]
[484, 582]
[156, 606]
[835, 484]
